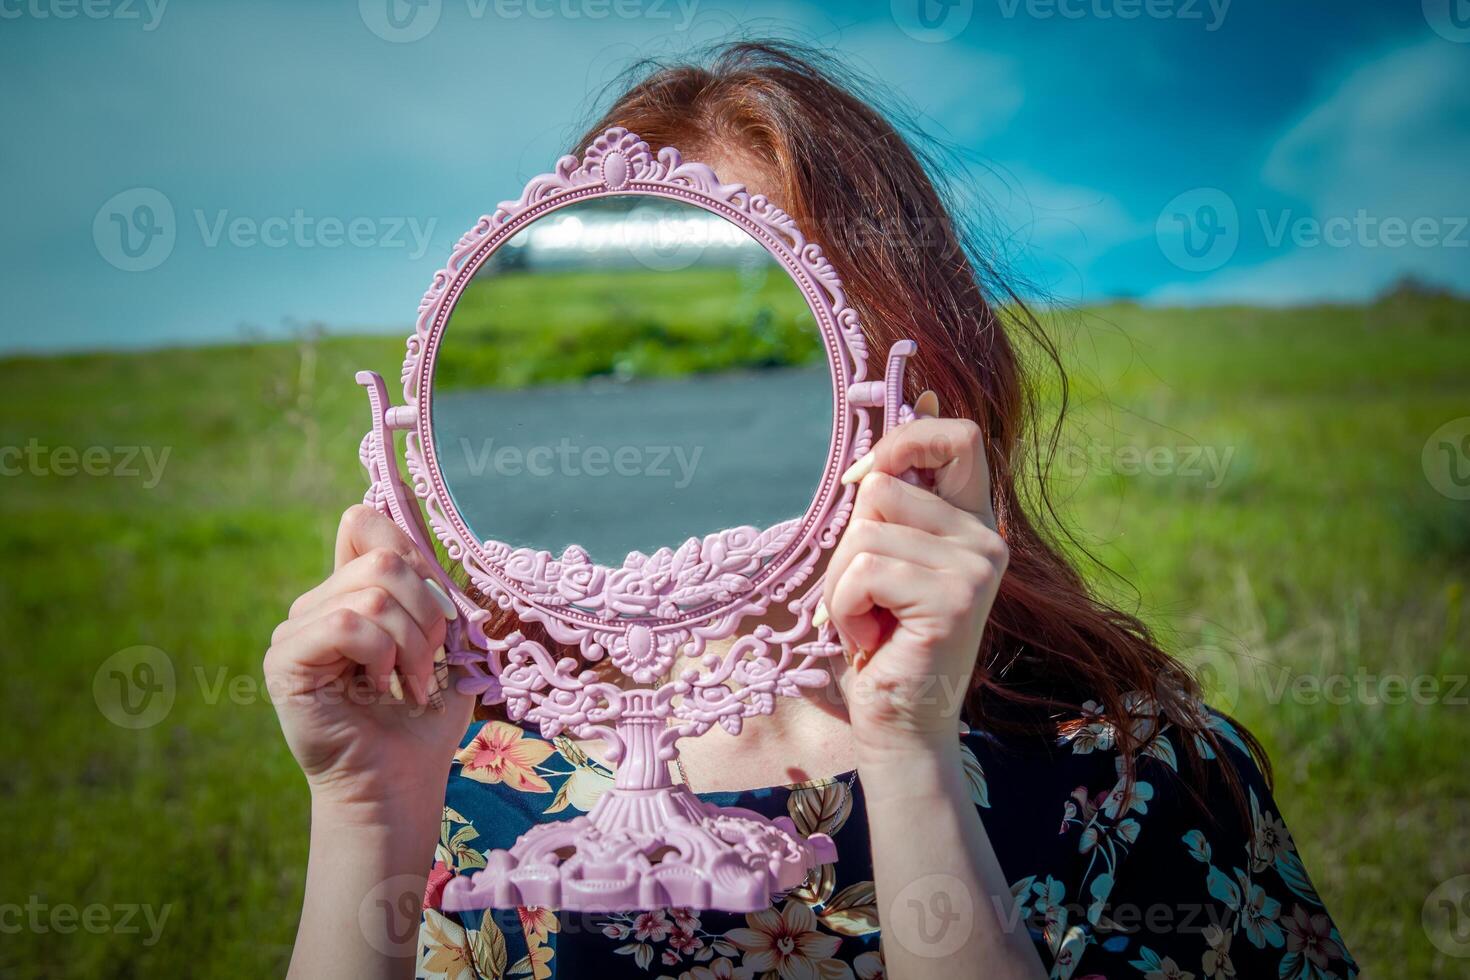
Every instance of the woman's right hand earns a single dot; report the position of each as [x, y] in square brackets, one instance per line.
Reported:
[351, 673]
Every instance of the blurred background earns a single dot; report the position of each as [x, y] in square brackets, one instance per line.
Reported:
[1246, 222]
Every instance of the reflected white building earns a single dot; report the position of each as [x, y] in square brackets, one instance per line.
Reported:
[629, 233]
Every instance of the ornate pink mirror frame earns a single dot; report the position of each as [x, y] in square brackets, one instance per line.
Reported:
[647, 843]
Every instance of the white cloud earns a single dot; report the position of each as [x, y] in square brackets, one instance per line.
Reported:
[1079, 222]
[975, 92]
[1388, 144]
[1053, 231]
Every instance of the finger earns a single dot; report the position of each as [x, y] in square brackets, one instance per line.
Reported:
[881, 497]
[364, 529]
[332, 644]
[414, 652]
[866, 536]
[875, 590]
[385, 568]
[415, 656]
[951, 449]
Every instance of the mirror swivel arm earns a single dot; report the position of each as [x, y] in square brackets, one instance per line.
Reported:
[888, 393]
[388, 495]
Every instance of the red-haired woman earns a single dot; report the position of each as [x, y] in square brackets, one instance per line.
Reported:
[1055, 800]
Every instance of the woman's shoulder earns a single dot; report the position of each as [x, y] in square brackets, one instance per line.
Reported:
[1183, 771]
[1174, 860]
[1195, 762]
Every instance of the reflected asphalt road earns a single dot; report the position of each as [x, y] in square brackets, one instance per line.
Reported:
[618, 467]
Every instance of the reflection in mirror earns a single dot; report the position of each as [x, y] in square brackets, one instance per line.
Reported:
[626, 373]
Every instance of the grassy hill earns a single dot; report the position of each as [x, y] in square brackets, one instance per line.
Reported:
[1255, 475]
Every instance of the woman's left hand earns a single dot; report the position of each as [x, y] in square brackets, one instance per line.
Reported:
[911, 583]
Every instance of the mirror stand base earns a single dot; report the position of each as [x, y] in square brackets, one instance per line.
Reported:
[645, 849]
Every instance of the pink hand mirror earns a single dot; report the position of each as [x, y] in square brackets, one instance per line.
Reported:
[635, 363]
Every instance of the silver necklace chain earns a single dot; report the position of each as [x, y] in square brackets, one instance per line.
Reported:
[684, 775]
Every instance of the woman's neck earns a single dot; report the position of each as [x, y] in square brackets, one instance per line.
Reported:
[804, 738]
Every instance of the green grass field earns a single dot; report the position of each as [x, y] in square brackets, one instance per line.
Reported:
[1313, 546]
[624, 323]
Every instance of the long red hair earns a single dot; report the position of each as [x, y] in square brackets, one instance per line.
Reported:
[855, 184]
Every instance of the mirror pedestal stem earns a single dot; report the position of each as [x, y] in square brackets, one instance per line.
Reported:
[640, 767]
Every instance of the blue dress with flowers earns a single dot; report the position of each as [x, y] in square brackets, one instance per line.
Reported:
[1163, 879]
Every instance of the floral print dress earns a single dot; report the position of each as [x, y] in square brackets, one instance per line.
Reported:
[1156, 878]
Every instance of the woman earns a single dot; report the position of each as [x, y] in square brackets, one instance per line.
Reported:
[1095, 820]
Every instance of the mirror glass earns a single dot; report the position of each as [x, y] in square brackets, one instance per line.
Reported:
[626, 373]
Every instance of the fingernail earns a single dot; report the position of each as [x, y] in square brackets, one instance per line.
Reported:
[860, 469]
[820, 616]
[446, 604]
[395, 686]
[439, 656]
[927, 405]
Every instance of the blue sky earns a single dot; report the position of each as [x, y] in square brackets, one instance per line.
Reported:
[276, 163]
